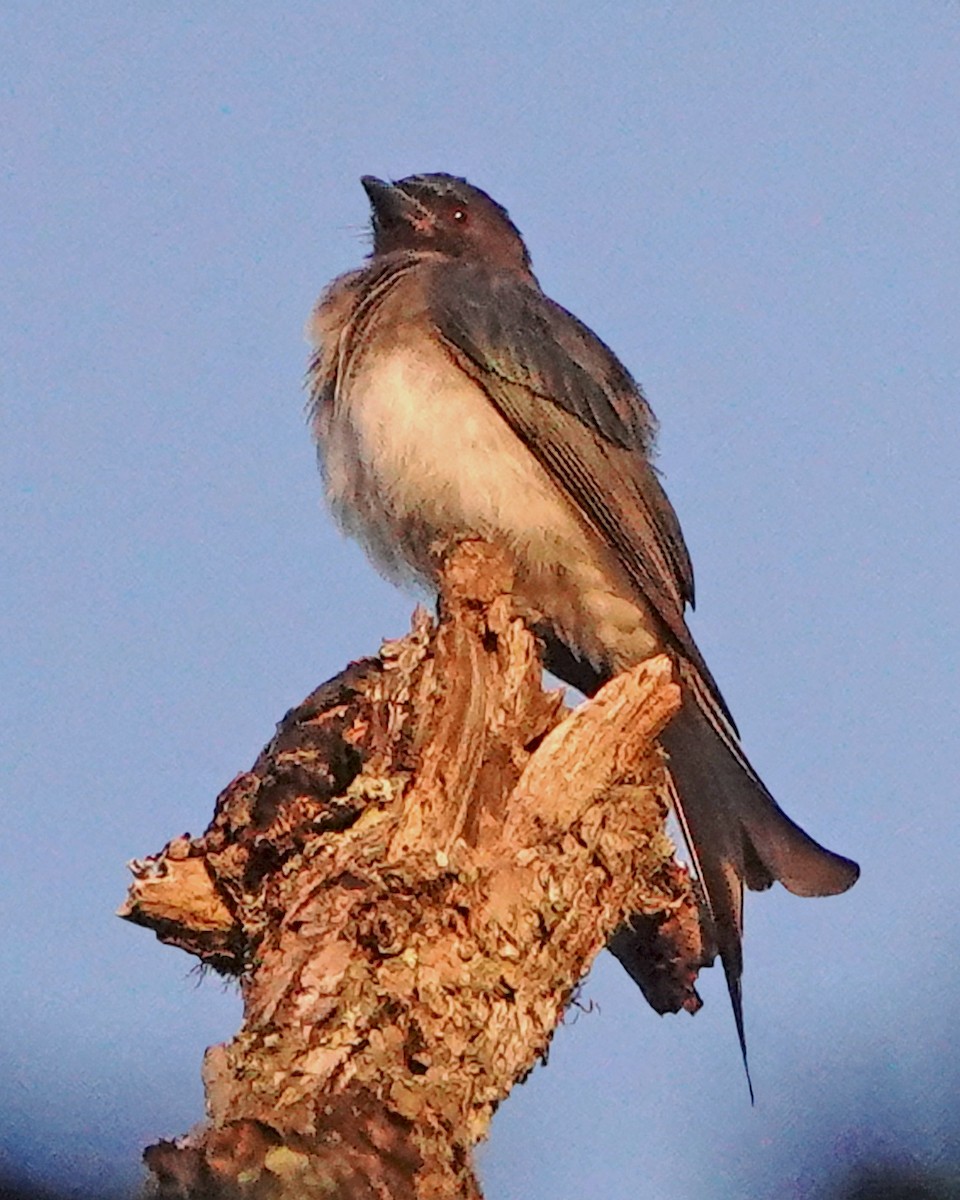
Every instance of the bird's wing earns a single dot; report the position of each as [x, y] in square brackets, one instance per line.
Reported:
[578, 409]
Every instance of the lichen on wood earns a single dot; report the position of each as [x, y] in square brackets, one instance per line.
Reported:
[409, 884]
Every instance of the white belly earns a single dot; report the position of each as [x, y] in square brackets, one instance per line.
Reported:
[415, 454]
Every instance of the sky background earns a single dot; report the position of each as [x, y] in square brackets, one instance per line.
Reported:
[758, 206]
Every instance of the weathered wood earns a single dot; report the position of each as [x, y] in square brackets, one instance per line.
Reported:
[409, 884]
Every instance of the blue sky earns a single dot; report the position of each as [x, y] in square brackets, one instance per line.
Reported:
[758, 206]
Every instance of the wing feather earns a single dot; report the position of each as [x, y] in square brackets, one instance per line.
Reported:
[580, 412]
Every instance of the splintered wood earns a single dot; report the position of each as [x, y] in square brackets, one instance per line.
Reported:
[409, 885]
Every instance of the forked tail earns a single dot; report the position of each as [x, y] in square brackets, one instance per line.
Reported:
[737, 834]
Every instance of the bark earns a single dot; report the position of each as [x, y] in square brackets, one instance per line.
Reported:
[409, 885]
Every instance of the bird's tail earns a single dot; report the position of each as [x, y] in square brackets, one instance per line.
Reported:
[736, 832]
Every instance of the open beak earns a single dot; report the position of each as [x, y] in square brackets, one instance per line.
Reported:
[390, 204]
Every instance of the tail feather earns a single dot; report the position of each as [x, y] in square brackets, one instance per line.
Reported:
[737, 833]
[717, 849]
[705, 750]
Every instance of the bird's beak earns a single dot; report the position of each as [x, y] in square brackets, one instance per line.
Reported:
[391, 205]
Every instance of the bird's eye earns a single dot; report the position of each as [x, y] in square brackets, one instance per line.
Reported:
[459, 214]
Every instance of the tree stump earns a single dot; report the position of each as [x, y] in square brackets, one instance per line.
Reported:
[409, 885]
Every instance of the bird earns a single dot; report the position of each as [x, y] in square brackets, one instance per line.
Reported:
[450, 397]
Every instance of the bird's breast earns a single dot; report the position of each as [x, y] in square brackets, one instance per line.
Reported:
[415, 455]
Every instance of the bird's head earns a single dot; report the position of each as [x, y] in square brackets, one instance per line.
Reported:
[445, 214]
